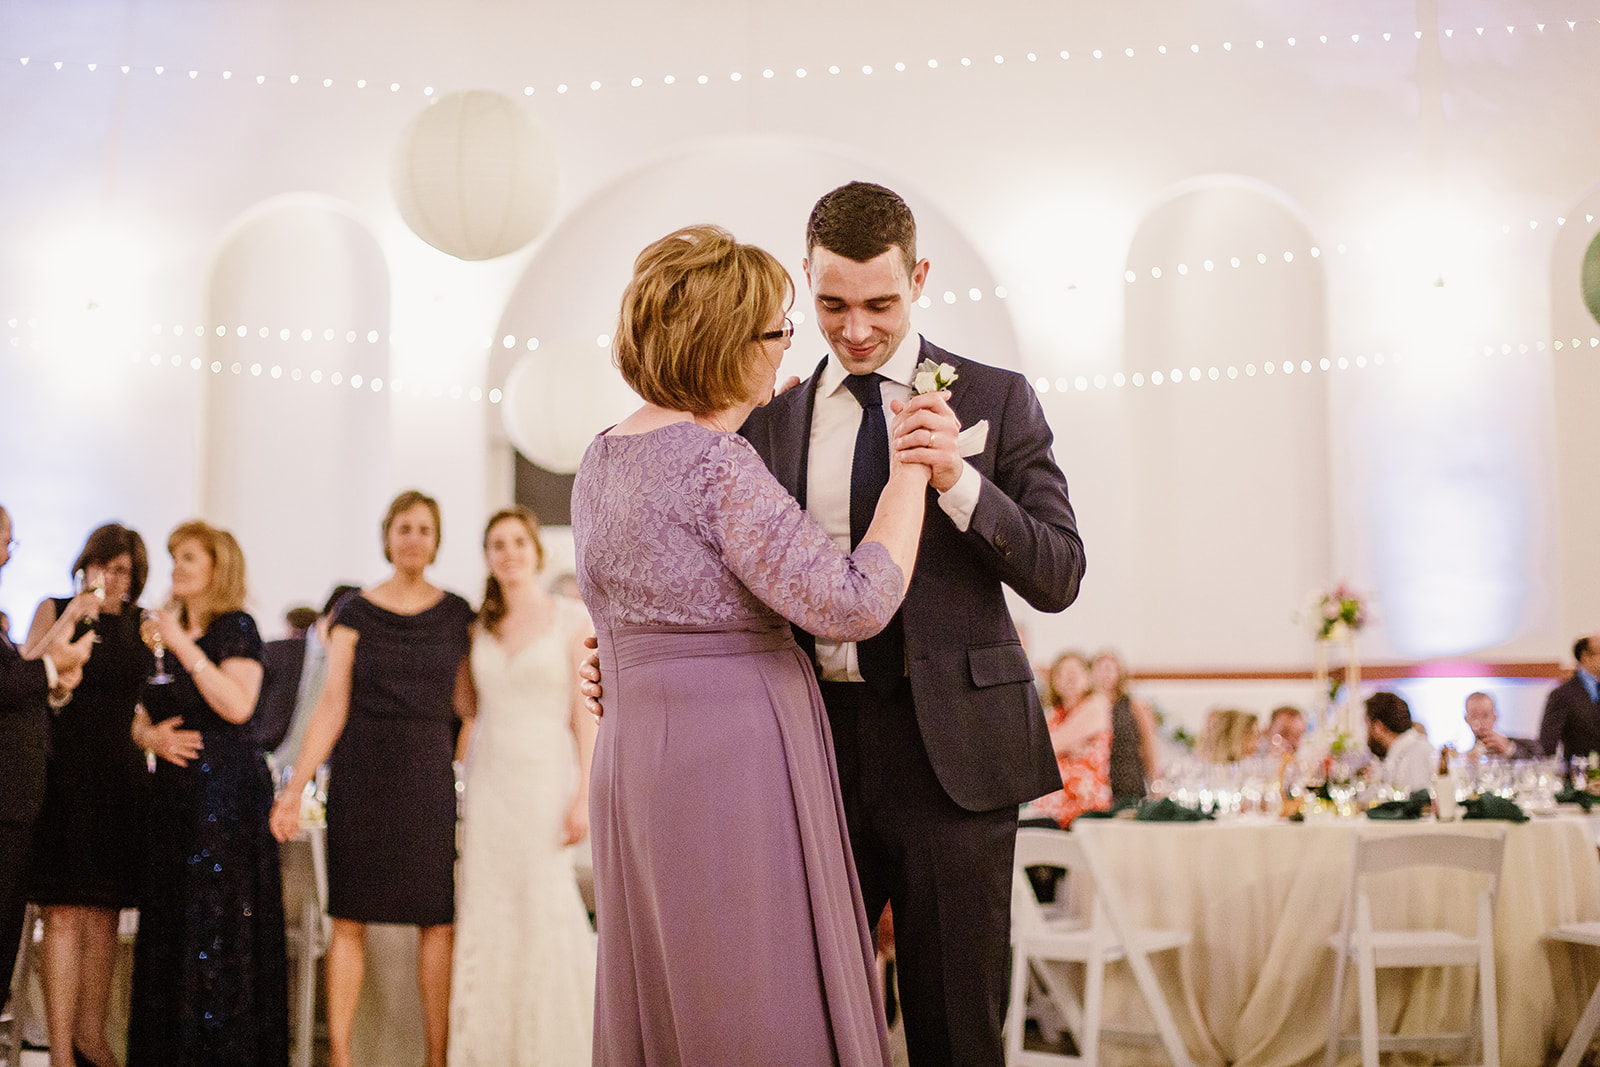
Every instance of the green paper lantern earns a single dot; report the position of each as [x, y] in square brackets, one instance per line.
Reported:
[1591, 278]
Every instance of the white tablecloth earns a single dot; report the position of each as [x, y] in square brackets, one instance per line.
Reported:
[1262, 899]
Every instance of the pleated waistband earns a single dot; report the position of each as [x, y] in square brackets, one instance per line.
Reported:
[630, 646]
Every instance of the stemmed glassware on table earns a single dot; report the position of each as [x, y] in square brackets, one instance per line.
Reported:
[150, 631]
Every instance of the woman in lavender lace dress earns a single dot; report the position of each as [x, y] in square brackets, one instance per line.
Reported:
[731, 927]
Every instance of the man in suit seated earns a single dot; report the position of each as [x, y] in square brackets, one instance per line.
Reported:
[1480, 715]
[1572, 711]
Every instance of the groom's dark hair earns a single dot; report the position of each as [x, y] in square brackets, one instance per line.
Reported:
[861, 221]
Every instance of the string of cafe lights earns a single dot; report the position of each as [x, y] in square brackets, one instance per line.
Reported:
[476, 394]
[1535, 30]
[1247, 46]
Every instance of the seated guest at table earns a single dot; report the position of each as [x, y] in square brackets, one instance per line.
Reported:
[1230, 735]
[1572, 711]
[1408, 759]
[87, 844]
[1133, 730]
[1489, 741]
[1080, 732]
[210, 970]
[1285, 730]
[28, 686]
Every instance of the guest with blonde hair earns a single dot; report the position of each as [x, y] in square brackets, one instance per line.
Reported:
[1134, 762]
[210, 975]
[1080, 732]
[396, 681]
[1230, 735]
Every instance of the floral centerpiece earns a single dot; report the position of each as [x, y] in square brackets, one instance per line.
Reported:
[1334, 618]
[1337, 615]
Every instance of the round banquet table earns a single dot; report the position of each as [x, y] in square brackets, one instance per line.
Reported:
[1262, 898]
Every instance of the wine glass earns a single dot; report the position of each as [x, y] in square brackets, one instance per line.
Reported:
[151, 633]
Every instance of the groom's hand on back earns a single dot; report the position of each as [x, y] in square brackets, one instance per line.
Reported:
[589, 678]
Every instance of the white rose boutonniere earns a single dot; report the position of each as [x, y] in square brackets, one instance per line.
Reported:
[931, 377]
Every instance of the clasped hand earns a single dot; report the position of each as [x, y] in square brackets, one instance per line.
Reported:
[924, 431]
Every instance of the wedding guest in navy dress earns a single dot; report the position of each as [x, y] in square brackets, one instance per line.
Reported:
[87, 845]
[210, 974]
[28, 685]
[396, 680]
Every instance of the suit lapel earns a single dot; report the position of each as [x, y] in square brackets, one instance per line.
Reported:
[792, 446]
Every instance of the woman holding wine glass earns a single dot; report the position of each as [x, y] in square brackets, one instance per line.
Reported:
[210, 976]
[86, 846]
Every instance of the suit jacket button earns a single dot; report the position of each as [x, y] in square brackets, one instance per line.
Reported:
[1002, 545]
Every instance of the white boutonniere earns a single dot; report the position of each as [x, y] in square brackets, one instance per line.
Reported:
[931, 377]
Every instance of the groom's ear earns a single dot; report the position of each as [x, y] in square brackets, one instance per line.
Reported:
[805, 268]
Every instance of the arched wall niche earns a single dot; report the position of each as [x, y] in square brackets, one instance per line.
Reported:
[293, 463]
[762, 189]
[1229, 508]
[1575, 378]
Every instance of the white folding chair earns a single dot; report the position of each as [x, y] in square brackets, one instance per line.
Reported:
[307, 928]
[1578, 1044]
[1104, 936]
[1372, 949]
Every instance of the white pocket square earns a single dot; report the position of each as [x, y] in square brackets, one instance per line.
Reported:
[973, 440]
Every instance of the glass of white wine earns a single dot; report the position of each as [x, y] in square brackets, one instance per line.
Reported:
[151, 632]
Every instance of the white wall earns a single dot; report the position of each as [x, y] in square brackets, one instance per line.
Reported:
[1449, 489]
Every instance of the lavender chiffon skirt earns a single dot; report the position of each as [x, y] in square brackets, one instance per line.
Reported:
[731, 925]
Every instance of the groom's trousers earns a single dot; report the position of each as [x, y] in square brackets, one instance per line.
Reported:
[944, 871]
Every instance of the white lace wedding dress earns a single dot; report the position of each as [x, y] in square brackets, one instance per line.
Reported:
[522, 989]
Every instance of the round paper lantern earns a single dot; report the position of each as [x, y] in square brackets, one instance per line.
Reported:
[475, 175]
[1591, 278]
[558, 398]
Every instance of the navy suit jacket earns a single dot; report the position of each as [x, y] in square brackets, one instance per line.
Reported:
[282, 663]
[1571, 720]
[972, 686]
[24, 733]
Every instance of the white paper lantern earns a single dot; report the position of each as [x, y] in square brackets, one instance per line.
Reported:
[475, 175]
[558, 398]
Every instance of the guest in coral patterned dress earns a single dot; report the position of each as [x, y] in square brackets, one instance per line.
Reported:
[1080, 733]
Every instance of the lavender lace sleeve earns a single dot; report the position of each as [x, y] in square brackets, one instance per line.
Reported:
[782, 556]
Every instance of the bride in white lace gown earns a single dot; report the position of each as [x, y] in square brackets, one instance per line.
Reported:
[523, 983]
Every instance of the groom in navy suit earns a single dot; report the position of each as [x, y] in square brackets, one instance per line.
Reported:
[936, 723]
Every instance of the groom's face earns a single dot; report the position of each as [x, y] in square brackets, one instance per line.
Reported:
[863, 309]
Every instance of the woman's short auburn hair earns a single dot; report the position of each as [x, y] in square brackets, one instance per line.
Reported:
[690, 317]
[226, 590]
[404, 503]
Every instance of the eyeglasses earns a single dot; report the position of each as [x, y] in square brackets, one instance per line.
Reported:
[773, 335]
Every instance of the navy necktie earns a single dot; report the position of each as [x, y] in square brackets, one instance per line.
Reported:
[881, 659]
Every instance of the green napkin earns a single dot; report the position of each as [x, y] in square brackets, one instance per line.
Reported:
[1168, 810]
[1572, 796]
[1115, 809]
[1398, 809]
[1493, 807]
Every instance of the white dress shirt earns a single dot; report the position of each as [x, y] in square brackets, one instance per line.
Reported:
[835, 418]
[1410, 762]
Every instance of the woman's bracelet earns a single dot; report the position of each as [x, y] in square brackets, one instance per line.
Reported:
[199, 665]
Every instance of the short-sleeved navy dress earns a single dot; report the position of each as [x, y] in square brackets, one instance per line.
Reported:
[210, 974]
[391, 787]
